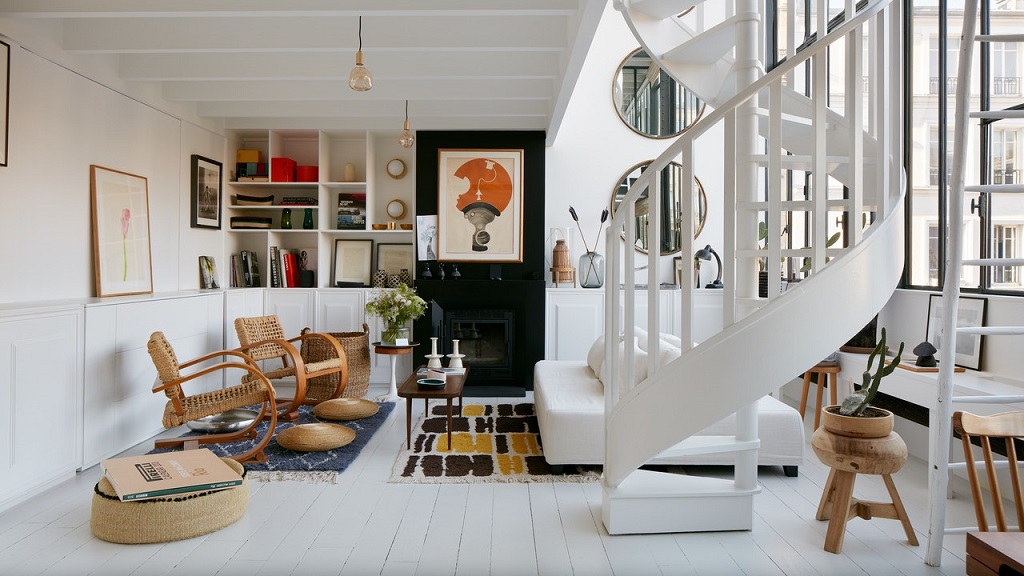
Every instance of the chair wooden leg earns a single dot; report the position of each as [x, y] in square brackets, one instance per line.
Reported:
[803, 395]
[817, 404]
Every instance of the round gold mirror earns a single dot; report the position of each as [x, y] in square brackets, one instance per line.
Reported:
[396, 168]
[650, 101]
[396, 209]
[671, 209]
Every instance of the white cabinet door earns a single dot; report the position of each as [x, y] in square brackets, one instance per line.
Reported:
[575, 318]
[240, 303]
[40, 391]
[340, 310]
[294, 308]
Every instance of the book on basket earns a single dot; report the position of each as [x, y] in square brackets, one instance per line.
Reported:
[155, 475]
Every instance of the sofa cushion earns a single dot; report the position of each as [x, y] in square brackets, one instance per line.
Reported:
[639, 364]
[595, 357]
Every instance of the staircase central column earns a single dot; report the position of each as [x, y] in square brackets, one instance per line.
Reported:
[747, 72]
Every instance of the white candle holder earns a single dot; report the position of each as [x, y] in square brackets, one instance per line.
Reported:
[433, 359]
[455, 359]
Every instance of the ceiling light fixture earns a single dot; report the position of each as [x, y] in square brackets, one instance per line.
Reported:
[406, 139]
[359, 79]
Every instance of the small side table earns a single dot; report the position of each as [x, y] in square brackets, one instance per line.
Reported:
[453, 386]
[393, 351]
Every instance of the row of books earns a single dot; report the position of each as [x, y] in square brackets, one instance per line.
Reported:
[245, 270]
[284, 267]
[250, 200]
[155, 475]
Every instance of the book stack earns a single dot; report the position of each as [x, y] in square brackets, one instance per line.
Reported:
[155, 475]
[351, 211]
[298, 201]
[284, 268]
[245, 270]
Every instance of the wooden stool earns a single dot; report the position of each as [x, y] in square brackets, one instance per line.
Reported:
[847, 457]
[822, 370]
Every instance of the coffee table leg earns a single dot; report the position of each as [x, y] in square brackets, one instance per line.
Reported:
[449, 424]
[408, 421]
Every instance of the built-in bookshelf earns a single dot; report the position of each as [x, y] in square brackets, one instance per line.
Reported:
[350, 169]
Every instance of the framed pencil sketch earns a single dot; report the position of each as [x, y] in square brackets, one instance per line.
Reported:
[393, 258]
[480, 205]
[353, 262]
[5, 98]
[206, 187]
[970, 314]
[120, 232]
[426, 236]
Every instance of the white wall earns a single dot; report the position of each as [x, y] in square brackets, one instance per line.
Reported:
[594, 149]
[61, 123]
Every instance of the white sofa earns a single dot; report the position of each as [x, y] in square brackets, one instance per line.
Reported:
[569, 403]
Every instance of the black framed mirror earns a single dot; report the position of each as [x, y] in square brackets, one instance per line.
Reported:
[650, 101]
[671, 209]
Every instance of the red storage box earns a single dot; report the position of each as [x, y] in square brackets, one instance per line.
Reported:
[306, 173]
[282, 170]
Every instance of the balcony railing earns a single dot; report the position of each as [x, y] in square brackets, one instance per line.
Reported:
[1006, 86]
[1010, 176]
[933, 85]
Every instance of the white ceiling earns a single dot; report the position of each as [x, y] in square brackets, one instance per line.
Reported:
[462, 64]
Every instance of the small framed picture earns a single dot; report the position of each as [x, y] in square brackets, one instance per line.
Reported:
[120, 233]
[970, 314]
[206, 183]
[207, 273]
[393, 258]
[353, 262]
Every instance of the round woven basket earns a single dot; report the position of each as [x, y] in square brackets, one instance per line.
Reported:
[315, 437]
[166, 519]
[345, 409]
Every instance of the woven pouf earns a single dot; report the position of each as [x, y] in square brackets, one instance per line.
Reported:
[345, 409]
[166, 519]
[315, 437]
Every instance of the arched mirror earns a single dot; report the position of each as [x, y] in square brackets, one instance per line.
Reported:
[650, 101]
[671, 207]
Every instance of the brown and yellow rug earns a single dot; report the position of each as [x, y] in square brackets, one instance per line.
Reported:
[490, 443]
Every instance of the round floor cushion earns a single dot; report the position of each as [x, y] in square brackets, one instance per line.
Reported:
[166, 519]
[345, 409]
[315, 437]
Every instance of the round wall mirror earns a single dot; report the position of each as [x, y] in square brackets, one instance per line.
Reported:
[650, 101]
[396, 209]
[396, 168]
[671, 209]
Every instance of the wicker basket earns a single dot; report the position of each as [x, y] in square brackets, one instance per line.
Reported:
[357, 352]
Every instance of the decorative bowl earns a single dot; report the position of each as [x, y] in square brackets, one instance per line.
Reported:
[405, 226]
[379, 226]
[431, 383]
[230, 421]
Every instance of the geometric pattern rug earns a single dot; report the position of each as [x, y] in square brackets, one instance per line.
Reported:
[490, 443]
[315, 467]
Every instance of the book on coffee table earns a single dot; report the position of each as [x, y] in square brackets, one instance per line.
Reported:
[155, 475]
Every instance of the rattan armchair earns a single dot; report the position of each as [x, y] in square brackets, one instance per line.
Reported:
[262, 338]
[254, 389]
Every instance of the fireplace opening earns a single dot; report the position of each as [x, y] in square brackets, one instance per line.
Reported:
[486, 338]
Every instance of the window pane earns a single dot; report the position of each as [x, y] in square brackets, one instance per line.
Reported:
[1007, 232]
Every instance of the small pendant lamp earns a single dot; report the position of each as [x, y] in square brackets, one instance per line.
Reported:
[406, 139]
[359, 79]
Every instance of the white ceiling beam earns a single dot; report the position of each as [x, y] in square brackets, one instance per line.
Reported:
[369, 108]
[308, 90]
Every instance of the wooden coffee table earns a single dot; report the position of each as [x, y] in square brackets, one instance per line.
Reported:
[452, 389]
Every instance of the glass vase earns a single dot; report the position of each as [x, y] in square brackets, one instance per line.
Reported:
[286, 219]
[591, 270]
[392, 333]
[307, 219]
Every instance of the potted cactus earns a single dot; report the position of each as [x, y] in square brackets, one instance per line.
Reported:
[856, 416]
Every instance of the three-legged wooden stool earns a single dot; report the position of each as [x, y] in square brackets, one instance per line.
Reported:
[823, 370]
[847, 457]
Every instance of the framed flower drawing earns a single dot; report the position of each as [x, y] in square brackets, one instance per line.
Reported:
[120, 232]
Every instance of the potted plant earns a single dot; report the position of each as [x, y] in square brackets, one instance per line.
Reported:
[396, 307]
[856, 416]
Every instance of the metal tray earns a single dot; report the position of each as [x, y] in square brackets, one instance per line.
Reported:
[230, 421]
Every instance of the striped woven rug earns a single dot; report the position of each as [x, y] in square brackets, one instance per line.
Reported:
[490, 443]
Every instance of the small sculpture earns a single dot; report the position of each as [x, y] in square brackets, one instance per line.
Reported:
[427, 274]
[455, 272]
[925, 355]
[440, 271]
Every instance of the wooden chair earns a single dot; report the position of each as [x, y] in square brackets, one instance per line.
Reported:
[181, 407]
[1005, 427]
[262, 338]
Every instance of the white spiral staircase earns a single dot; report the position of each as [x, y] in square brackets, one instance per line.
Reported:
[762, 127]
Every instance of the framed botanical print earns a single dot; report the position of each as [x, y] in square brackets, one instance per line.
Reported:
[120, 233]
[480, 205]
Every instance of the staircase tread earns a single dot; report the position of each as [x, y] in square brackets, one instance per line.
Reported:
[652, 484]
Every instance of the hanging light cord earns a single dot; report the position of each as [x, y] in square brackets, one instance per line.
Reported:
[407, 111]
[360, 33]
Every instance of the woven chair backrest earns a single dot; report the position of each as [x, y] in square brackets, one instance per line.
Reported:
[1004, 429]
[257, 329]
[166, 362]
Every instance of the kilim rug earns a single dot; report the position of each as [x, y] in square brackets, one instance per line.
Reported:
[490, 443]
[317, 467]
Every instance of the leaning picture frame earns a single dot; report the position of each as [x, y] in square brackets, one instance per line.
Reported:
[480, 205]
[353, 262]
[393, 258]
[970, 314]
[122, 260]
[5, 98]
[206, 192]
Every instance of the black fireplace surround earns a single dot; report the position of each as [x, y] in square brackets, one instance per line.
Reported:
[508, 295]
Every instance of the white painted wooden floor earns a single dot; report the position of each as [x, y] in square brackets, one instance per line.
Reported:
[363, 525]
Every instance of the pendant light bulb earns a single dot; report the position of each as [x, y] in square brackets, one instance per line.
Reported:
[359, 79]
[406, 139]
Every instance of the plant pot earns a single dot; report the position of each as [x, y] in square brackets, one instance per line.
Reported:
[874, 423]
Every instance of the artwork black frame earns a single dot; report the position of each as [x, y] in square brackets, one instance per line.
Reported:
[207, 183]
